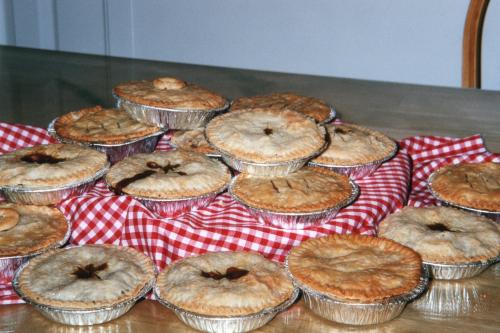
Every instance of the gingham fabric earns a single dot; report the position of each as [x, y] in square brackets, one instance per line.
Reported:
[99, 216]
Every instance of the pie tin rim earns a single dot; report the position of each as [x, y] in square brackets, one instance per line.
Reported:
[15, 284]
[52, 132]
[454, 204]
[349, 200]
[120, 100]
[471, 264]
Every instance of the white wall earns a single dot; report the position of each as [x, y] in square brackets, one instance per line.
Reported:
[390, 40]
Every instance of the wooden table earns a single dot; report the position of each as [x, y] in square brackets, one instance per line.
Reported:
[37, 86]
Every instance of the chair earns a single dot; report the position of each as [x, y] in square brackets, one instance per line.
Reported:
[471, 48]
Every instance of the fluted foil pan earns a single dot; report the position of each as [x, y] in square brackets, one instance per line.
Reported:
[50, 195]
[495, 216]
[358, 313]
[118, 151]
[266, 169]
[9, 265]
[357, 171]
[458, 271]
[445, 299]
[227, 324]
[166, 117]
[70, 316]
[172, 208]
[295, 220]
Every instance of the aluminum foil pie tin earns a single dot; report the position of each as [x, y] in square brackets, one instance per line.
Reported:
[358, 313]
[495, 216]
[445, 299]
[79, 317]
[458, 271]
[171, 118]
[357, 171]
[50, 195]
[295, 220]
[9, 265]
[171, 208]
[116, 152]
[227, 324]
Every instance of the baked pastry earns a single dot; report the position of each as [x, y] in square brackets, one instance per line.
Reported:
[168, 175]
[101, 126]
[171, 93]
[472, 185]
[309, 106]
[304, 191]
[266, 135]
[35, 228]
[53, 165]
[353, 145]
[443, 234]
[355, 267]
[192, 140]
[86, 277]
[225, 284]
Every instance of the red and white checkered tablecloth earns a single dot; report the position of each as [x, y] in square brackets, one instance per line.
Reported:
[99, 216]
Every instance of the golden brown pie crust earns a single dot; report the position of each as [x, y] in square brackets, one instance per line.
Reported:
[181, 97]
[312, 107]
[355, 267]
[8, 218]
[474, 185]
[352, 145]
[52, 165]
[99, 125]
[444, 235]
[307, 190]
[266, 135]
[67, 275]
[38, 228]
[264, 285]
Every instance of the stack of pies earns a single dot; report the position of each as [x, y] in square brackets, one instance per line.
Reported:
[169, 102]
[354, 150]
[225, 291]
[454, 243]
[312, 107]
[356, 279]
